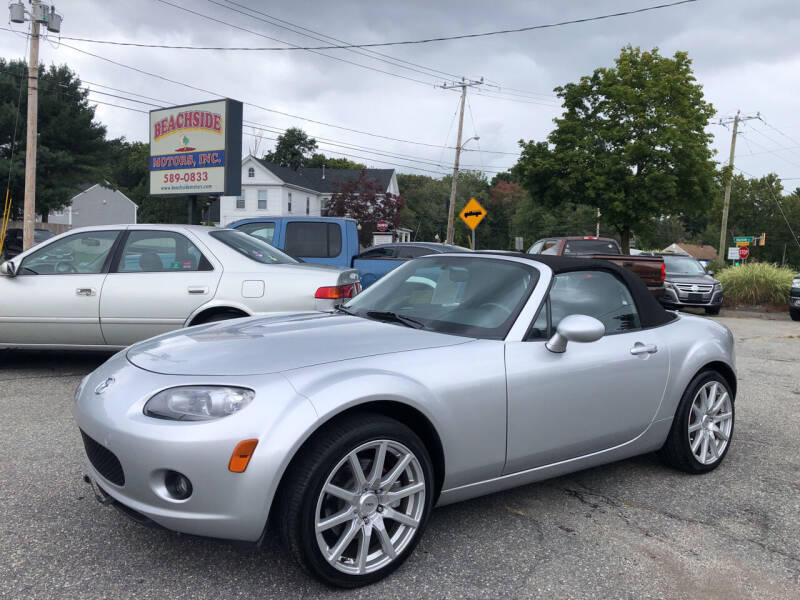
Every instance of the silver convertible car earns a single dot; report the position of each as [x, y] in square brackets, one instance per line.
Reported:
[454, 376]
[110, 286]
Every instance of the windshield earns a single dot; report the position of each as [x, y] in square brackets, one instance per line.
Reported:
[683, 265]
[475, 297]
[251, 247]
[573, 247]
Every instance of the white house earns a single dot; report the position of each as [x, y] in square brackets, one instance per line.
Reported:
[96, 205]
[271, 190]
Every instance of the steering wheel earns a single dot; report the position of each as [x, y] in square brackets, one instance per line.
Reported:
[496, 306]
[65, 267]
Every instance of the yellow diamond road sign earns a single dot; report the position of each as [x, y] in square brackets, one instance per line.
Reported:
[472, 213]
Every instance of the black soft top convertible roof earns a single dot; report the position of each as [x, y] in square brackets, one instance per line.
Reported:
[651, 313]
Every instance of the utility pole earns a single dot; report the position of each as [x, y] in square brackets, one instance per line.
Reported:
[727, 198]
[39, 13]
[463, 84]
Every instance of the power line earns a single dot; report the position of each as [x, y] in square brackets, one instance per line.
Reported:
[771, 193]
[393, 43]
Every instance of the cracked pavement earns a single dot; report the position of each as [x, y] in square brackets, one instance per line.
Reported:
[633, 529]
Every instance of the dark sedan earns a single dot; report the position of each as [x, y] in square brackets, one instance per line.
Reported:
[688, 284]
[13, 242]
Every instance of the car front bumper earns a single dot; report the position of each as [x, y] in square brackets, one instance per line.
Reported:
[794, 300]
[679, 299]
[223, 504]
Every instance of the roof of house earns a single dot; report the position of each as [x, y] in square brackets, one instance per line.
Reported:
[312, 179]
[703, 252]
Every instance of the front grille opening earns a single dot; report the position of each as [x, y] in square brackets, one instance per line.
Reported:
[105, 461]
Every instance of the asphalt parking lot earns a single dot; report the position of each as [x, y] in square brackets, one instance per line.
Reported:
[633, 529]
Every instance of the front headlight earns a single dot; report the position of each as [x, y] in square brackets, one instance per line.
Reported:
[796, 283]
[718, 287]
[198, 402]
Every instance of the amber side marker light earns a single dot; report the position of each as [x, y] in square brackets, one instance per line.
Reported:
[241, 455]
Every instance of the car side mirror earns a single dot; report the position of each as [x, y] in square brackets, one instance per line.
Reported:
[710, 272]
[575, 328]
[8, 268]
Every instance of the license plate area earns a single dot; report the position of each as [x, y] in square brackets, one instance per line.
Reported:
[695, 297]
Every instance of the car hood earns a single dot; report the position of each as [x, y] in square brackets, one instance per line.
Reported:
[706, 279]
[262, 345]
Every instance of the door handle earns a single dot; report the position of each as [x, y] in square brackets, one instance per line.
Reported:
[85, 292]
[197, 289]
[639, 348]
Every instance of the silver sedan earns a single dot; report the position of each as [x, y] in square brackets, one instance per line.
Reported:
[101, 287]
[452, 377]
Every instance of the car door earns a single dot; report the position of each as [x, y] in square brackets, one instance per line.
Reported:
[54, 299]
[595, 395]
[158, 278]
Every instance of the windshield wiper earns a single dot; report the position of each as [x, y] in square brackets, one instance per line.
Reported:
[344, 310]
[383, 315]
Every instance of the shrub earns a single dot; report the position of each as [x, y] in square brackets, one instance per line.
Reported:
[756, 284]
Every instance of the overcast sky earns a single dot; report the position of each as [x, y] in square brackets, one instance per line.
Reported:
[745, 55]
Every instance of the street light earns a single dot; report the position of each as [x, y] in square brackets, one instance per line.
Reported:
[452, 206]
[38, 14]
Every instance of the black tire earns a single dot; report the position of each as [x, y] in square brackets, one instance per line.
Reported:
[676, 451]
[713, 311]
[301, 490]
[794, 314]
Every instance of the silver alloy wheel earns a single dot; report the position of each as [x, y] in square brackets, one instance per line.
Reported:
[710, 422]
[370, 507]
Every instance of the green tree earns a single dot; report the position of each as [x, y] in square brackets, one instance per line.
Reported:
[631, 141]
[293, 149]
[318, 160]
[71, 146]
[425, 212]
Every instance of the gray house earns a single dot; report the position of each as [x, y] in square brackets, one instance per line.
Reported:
[96, 205]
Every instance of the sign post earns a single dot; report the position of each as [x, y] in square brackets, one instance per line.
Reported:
[196, 149]
[472, 214]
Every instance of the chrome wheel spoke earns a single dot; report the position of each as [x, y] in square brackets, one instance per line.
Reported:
[395, 515]
[383, 536]
[719, 433]
[377, 465]
[721, 417]
[696, 442]
[342, 517]
[695, 427]
[397, 471]
[344, 541]
[718, 404]
[363, 548]
[712, 445]
[343, 494]
[704, 448]
[403, 492]
[358, 472]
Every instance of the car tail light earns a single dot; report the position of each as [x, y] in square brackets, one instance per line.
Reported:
[663, 270]
[336, 292]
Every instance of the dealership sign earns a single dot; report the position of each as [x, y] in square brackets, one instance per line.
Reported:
[196, 149]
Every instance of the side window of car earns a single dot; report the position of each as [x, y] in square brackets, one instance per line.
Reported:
[313, 239]
[540, 328]
[263, 231]
[409, 252]
[378, 253]
[597, 294]
[157, 251]
[80, 253]
[550, 247]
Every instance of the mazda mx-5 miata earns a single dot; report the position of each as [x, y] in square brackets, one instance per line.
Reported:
[456, 375]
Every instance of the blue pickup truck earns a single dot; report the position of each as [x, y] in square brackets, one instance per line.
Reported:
[334, 241]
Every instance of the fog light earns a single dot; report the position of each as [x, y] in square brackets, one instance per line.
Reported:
[178, 485]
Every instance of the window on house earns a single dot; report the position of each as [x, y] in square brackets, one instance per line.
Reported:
[262, 199]
[251, 172]
[240, 200]
[308, 205]
[290, 201]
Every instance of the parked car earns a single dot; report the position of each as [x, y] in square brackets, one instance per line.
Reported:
[794, 299]
[688, 284]
[376, 261]
[110, 286]
[13, 243]
[334, 241]
[649, 268]
[454, 376]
